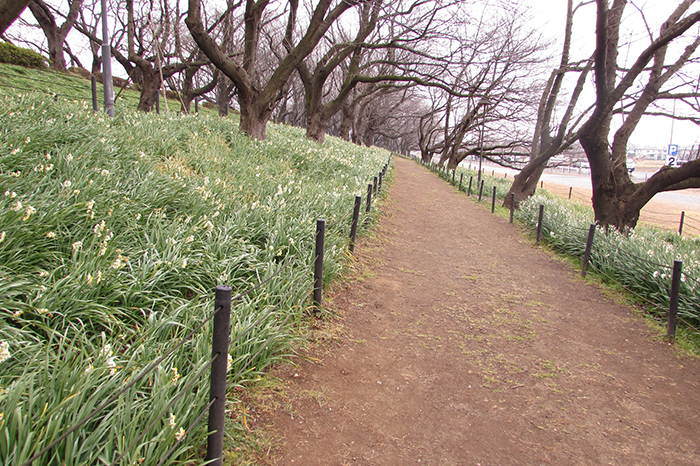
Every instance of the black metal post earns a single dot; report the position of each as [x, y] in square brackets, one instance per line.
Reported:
[453, 176]
[217, 390]
[93, 80]
[512, 206]
[318, 262]
[469, 193]
[157, 102]
[381, 177]
[589, 246]
[541, 184]
[680, 226]
[675, 290]
[539, 224]
[461, 175]
[369, 197]
[571, 189]
[355, 218]
[493, 200]
[481, 189]
[374, 185]
[196, 105]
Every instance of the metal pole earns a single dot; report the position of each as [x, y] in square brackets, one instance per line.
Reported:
[589, 246]
[107, 83]
[469, 193]
[157, 102]
[93, 81]
[374, 185]
[680, 226]
[571, 189]
[493, 200]
[355, 218]
[379, 186]
[196, 105]
[673, 309]
[219, 350]
[481, 190]
[481, 147]
[318, 263]
[512, 206]
[539, 224]
[453, 176]
[461, 175]
[369, 197]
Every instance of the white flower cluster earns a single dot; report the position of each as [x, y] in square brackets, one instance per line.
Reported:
[4, 351]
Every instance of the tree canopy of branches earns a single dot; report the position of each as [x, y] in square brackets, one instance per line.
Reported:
[256, 93]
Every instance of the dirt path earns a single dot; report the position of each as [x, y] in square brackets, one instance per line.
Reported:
[467, 345]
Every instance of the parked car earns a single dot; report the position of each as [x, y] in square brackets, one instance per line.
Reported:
[630, 165]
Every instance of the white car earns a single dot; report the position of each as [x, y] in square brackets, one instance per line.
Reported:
[630, 165]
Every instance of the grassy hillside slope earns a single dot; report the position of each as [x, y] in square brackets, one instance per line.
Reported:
[113, 233]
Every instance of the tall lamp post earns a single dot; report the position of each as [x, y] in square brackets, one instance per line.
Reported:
[107, 83]
[485, 102]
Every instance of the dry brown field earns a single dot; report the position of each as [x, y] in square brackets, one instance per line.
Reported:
[658, 213]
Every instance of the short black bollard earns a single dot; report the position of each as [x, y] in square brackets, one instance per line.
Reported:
[374, 185]
[157, 102]
[453, 176]
[469, 193]
[369, 197]
[589, 246]
[481, 190]
[493, 200]
[675, 290]
[680, 226]
[539, 224]
[318, 263]
[512, 206]
[196, 105]
[355, 218]
[93, 80]
[217, 387]
[461, 175]
[541, 184]
[571, 189]
[379, 186]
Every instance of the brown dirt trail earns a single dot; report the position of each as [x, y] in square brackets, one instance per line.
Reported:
[465, 344]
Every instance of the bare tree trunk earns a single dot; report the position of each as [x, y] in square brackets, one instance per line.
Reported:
[55, 35]
[9, 12]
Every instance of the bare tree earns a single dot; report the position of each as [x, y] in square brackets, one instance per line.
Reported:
[617, 200]
[317, 111]
[55, 34]
[545, 145]
[257, 94]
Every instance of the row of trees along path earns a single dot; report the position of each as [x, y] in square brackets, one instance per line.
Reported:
[462, 343]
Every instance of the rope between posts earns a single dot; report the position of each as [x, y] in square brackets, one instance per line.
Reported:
[187, 432]
[264, 316]
[122, 390]
[166, 409]
[267, 280]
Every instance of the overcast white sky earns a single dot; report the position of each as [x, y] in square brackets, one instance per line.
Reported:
[550, 14]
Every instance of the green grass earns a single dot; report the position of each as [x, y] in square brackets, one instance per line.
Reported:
[113, 234]
[73, 87]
